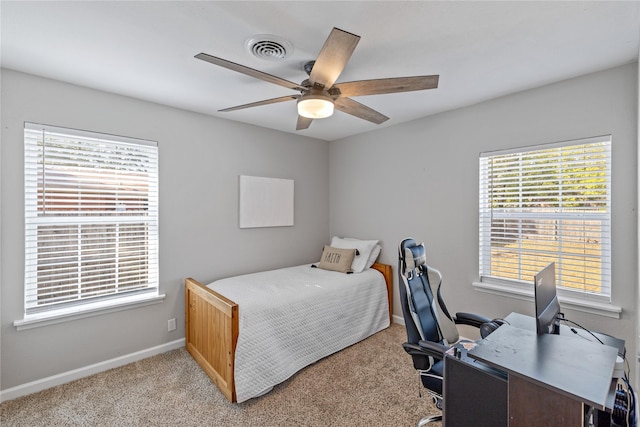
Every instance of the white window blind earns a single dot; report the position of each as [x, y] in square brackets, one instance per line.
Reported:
[91, 217]
[544, 204]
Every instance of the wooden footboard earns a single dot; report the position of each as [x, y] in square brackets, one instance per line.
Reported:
[211, 330]
[211, 333]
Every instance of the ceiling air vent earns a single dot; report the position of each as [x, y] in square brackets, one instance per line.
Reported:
[269, 47]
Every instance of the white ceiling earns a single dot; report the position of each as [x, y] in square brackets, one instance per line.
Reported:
[481, 50]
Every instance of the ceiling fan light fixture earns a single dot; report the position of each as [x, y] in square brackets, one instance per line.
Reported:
[315, 106]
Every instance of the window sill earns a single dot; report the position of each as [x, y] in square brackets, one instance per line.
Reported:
[94, 309]
[592, 307]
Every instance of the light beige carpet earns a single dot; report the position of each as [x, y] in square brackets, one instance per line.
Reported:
[372, 383]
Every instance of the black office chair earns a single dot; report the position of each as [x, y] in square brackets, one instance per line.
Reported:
[431, 330]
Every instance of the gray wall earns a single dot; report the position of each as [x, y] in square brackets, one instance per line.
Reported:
[200, 160]
[420, 179]
[416, 179]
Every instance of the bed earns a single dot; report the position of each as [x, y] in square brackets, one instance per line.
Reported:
[241, 346]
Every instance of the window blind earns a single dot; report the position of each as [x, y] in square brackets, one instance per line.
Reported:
[91, 217]
[545, 204]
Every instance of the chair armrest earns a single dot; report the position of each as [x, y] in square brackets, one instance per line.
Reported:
[426, 349]
[435, 349]
[471, 319]
[422, 358]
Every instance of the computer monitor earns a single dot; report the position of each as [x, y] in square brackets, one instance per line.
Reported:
[547, 305]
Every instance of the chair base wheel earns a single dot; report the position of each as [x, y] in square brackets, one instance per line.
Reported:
[426, 420]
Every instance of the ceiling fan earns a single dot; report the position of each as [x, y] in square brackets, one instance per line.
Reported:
[320, 94]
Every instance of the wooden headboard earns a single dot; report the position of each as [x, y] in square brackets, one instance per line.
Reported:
[387, 272]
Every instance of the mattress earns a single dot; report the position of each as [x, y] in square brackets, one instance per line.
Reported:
[292, 317]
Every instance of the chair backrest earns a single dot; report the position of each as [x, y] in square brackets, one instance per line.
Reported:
[425, 314]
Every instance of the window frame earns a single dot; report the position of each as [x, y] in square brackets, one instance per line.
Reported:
[74, 215]
[523, 289]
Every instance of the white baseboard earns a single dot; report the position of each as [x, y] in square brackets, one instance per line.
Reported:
[400, 321]
[65, 377]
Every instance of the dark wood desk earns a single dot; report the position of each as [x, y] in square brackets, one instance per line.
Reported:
[550, 377]
[475, 394]
[527, 322]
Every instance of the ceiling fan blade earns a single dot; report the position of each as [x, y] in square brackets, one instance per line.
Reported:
[391, 85]
[259, 103]
[349, 106]
[248, 71]
[303, 123]
[333, 57]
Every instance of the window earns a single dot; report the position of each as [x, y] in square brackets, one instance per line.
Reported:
[91, 218]
[544, 204]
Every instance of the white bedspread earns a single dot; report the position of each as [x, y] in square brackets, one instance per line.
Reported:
[293, 317]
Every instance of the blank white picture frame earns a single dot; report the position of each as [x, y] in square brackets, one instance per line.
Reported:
[265, 202]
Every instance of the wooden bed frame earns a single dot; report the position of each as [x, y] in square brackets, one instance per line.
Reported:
[211, 330]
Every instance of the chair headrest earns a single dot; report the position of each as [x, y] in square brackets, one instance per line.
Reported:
[414, 257]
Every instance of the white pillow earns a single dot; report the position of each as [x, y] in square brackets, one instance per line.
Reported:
[365, 250]
[374, 255]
